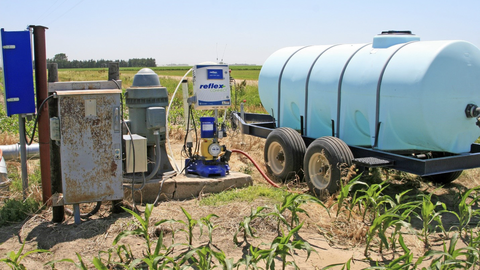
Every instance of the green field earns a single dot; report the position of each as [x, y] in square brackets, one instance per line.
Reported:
[238, 72]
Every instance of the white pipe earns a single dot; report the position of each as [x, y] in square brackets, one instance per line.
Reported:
[168, 112]
[12, 152]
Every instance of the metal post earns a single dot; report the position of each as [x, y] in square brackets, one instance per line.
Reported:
[76, 213]
[114, 74]
[58, 212]
[185, 102]
[23, 154]
[242, 115]
[42, 93]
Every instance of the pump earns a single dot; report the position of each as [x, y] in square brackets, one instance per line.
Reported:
[211, 86]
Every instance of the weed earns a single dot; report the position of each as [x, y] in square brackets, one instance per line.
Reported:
[15, 210]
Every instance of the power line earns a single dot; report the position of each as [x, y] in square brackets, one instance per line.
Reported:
[66, 12]
[51, 11]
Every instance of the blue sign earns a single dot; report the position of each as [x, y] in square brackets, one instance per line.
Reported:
[18, 72]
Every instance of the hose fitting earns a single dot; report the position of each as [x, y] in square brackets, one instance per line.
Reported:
[472, 111]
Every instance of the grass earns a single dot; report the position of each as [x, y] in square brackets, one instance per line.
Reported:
[248, 194]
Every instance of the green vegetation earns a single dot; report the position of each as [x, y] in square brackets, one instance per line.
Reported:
[14, 260]
[248, 194]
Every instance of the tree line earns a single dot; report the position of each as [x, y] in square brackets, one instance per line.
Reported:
[62, 60]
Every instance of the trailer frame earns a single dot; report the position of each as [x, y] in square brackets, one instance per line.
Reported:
[260, 125]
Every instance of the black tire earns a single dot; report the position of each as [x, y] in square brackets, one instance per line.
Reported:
[323, 163]
[283, 153]
[443, 178]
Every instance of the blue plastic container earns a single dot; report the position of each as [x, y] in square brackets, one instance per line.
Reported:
[207, 127]
[410, 93]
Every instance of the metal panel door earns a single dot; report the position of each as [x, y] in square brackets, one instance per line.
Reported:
[90, 146]
[18, 72]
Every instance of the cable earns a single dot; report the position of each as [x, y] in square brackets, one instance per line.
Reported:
[258, 167]
[168, 112]
[171, 175]
[69, 212]
[36, 120]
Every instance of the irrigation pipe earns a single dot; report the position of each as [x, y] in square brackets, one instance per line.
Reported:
[256, 166]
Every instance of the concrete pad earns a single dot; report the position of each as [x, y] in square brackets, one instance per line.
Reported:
[182, 187]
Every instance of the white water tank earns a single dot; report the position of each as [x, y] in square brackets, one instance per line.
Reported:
[412, 93]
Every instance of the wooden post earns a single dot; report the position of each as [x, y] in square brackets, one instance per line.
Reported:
[113, 71]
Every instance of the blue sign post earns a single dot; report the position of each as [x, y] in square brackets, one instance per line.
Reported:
[19, 88]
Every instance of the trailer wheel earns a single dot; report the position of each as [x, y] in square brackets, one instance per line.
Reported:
[444, 178]
[323, 163]
[283, 153]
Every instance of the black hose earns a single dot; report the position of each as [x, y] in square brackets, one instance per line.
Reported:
[87, 215]
[36, 120]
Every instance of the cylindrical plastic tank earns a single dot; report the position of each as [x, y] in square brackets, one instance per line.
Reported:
[397, 93]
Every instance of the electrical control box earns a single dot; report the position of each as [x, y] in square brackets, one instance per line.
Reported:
[18, 72]
[211, 86]
[90, 141]
[135, 144]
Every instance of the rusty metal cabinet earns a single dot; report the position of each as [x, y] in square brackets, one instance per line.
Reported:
[90, 145]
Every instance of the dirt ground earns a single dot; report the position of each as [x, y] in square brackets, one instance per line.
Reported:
[335, 240]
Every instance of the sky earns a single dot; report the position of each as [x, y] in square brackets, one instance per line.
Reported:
[235, 31]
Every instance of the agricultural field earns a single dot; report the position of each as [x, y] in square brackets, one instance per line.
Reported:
[382, 219]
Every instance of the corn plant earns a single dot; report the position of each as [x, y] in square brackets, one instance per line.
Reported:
[203, 258]
[14, 260]
[142, 230]
[465, 210]
[404, 262]
[397, 217]
[293, 202]
[283, 246]
[122, 252]
[206, 221]
[453, 258]
[430, 217]
[245, 225]
[345, 266]
[372, 200]
[253, 257]
[345, 191]
[80, 265]
[191, 223]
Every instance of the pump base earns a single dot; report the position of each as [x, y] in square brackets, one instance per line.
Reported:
[206, 168]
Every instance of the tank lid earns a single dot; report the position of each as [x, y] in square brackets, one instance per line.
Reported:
[393, 37]
[396, 32]
[145, 77]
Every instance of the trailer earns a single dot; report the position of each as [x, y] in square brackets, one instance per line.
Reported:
[321, 160]
[397, 102]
